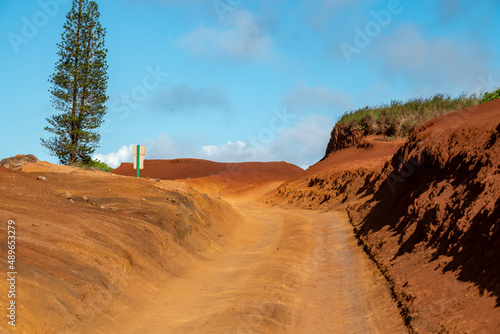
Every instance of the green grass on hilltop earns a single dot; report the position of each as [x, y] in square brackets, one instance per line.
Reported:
[401, 118]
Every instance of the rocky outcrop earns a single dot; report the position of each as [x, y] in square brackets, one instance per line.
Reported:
[17, 162]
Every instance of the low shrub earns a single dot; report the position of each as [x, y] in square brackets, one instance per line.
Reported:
[491, 96]
[97, 164]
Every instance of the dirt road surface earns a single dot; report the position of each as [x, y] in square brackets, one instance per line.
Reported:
[284, 271]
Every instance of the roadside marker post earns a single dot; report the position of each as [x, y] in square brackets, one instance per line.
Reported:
[139, 152]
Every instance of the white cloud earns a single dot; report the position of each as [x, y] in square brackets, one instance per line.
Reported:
[243, 39]
[316, 99]
[228, 152]
[303, 144]
[114, 159]
[432, 64]
[166, 147]
[163, 147]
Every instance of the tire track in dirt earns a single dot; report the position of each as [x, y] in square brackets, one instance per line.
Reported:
[286, 271]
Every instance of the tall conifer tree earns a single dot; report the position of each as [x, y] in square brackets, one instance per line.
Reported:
[78, 86]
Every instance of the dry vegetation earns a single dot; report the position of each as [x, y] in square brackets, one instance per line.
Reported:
[395, 120]
[401, 118]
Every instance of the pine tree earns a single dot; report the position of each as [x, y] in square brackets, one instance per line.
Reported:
[79, 86]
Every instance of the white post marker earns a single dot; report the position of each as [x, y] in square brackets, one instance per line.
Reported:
[139, 152]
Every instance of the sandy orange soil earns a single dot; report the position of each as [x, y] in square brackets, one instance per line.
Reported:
[266, 247]
[284, 272]
[147, 256]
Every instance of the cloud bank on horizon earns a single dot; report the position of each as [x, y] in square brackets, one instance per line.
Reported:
[297, 144]
[248, 80]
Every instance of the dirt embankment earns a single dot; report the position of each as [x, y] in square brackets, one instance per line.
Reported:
[86, 238]
[436, 208]
[344, 176]
[429, 216]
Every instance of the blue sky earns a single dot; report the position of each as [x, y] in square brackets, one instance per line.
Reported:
[240, 80]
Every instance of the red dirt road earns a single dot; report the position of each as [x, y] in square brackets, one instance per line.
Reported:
[284, 271]
[170, 259]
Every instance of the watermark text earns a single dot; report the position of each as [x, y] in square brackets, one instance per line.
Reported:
[11, 273]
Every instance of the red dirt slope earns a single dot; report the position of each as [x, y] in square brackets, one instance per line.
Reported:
[236, 176]
[429, 215]
[339, 178]
[76, 256]
[371, 150]
[434, 221]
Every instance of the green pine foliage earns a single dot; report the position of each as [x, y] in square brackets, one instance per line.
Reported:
[79, 86]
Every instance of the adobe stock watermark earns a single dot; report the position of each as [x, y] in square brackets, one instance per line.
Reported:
[11, 272]
[32, 25]
[127, 102]
[373, 28]
[224, 7]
